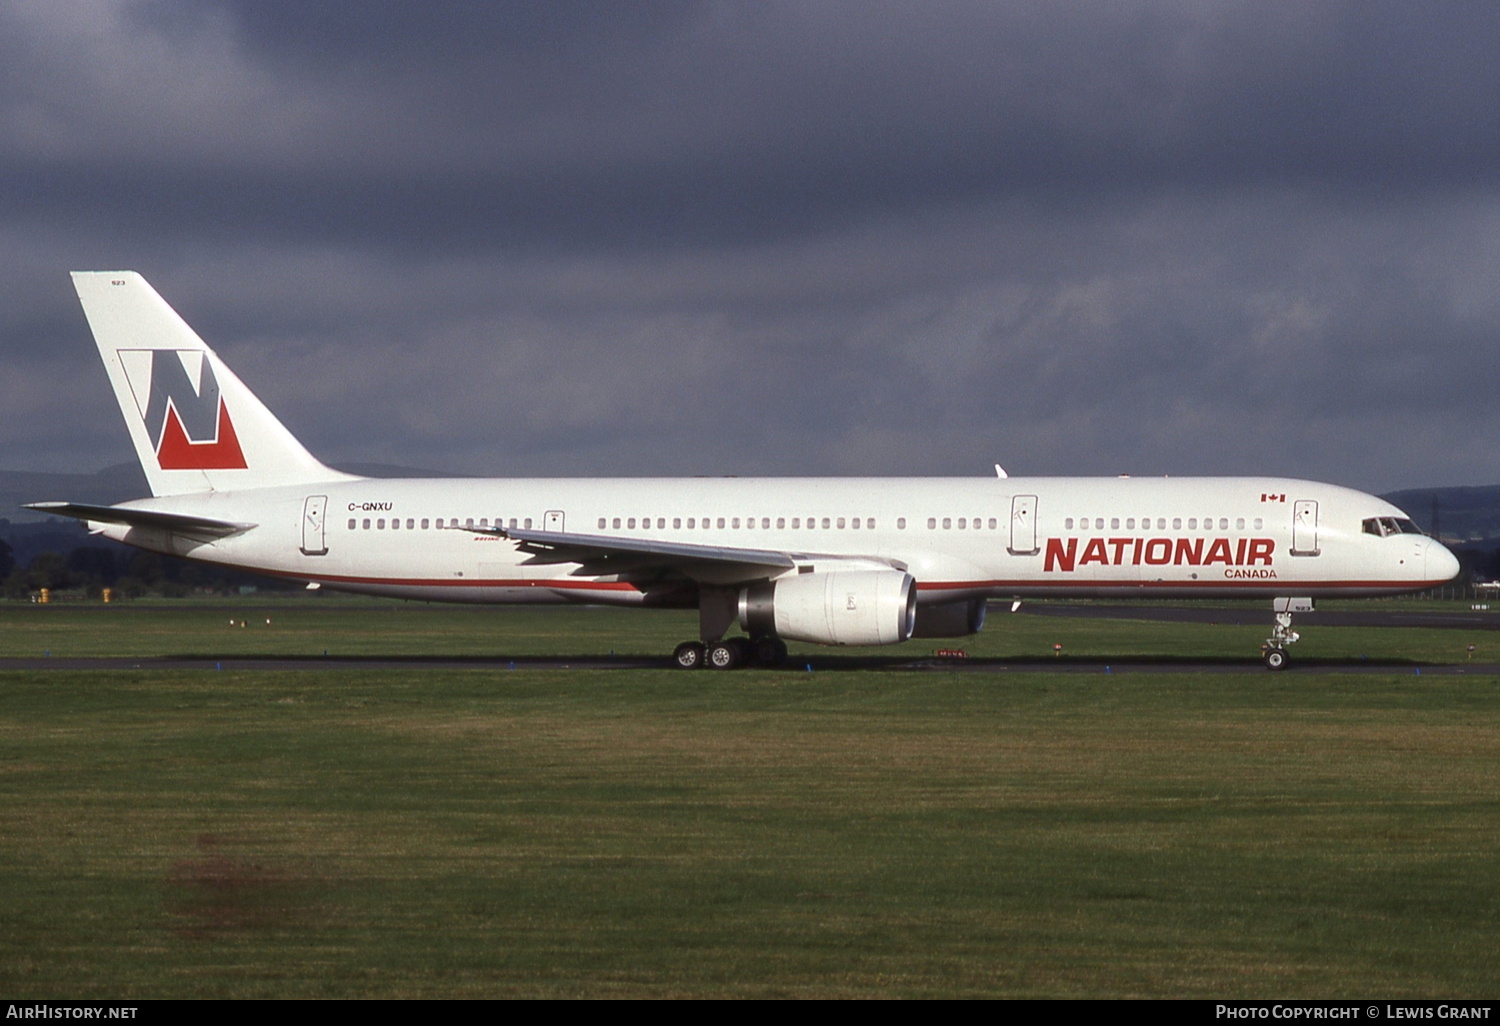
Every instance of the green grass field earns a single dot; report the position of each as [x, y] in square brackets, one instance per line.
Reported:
[466, 832]
[356, 627]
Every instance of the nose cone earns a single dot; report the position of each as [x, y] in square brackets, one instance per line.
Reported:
[1439, 563]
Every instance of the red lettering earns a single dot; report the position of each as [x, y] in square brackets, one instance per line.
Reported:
[1218, 552]
[1062, 557]
[1094, 552]
[1189, 551]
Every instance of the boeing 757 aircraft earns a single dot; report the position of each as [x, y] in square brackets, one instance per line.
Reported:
[836, 561]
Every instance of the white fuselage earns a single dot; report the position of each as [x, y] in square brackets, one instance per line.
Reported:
[957, 537]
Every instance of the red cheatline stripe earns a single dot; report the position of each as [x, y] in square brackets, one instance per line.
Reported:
[1282, 585]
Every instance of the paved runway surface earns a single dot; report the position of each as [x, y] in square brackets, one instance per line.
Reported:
[1471, 620]
[816, 664]
[1373, 617]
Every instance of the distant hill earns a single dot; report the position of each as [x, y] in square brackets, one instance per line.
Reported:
[29, 533]
[125, 481]
[1465, 516]
[112, 484]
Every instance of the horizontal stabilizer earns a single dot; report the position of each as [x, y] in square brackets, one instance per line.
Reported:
[182, 523]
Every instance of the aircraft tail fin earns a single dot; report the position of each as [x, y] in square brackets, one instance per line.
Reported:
[195, 425]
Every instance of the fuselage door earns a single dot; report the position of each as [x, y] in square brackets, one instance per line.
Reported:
[553, 520]
[1305, 527]
[313, 512]
[1023, 526]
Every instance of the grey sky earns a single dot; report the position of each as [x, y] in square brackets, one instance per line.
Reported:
[804, 238]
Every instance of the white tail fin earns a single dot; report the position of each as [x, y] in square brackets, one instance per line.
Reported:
[195, 425]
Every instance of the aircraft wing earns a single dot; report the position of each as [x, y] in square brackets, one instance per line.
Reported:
[604, 555]
[182, 523]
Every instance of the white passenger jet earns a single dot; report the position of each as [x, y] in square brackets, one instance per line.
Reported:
[836, 561]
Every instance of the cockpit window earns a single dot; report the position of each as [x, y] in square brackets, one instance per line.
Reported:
[1383, 527]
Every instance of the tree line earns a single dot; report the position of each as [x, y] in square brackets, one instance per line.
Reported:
[89, 569]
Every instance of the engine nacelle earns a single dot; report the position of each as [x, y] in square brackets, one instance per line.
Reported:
[843, 607]
[950, 620]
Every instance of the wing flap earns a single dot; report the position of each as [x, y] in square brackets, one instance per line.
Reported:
[599, 554]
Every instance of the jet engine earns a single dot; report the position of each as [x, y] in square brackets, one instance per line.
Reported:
[841, 607]
[950, 619]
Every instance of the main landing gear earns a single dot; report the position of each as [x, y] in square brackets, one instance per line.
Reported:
[727, 654]
[1274, 650]
[718, 609]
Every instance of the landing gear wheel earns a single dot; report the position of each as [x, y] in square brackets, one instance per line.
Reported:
[725, 655]
[768, 650]
[689, 655]
[1276, 658]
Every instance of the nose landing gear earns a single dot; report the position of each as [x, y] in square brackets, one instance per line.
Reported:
[1274, 650]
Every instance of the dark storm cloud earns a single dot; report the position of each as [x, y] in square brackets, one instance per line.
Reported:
[842, 237]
